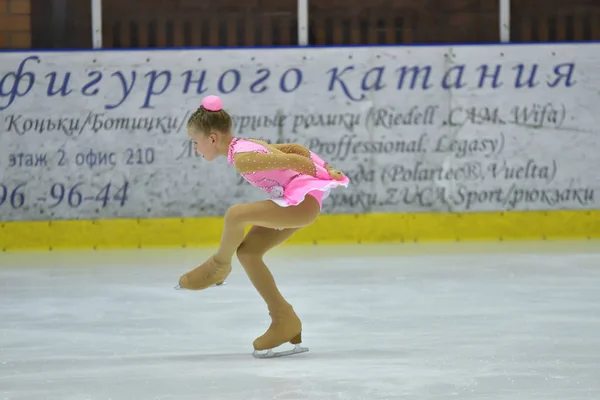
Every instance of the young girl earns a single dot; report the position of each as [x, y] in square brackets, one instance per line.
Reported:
[297, 181]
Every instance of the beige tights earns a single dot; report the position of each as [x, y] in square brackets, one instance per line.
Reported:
[286, 325]
[250, 249]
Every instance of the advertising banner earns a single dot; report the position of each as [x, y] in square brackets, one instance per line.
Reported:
[88, 135]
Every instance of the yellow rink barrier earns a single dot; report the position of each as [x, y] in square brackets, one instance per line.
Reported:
[328, 229]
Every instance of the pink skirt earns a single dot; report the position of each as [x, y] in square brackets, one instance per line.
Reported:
[296, 191]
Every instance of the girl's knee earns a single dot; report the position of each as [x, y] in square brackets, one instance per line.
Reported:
[234, 214]
[247, 253]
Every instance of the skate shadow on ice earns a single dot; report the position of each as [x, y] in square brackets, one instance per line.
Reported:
[313, 354]
[316, 354]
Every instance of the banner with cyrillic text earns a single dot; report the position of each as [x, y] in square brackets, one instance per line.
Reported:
[86, 135]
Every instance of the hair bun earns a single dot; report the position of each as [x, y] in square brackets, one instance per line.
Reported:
[212, 103]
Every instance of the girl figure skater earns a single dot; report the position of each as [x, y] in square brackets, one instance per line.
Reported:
[297, 181]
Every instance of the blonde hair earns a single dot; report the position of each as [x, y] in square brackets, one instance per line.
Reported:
[207, 121]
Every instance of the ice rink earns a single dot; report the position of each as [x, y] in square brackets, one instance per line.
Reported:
[510, 321]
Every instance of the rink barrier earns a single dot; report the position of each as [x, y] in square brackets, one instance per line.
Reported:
[328, 229]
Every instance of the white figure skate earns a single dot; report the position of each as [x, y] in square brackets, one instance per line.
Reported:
[298, 349]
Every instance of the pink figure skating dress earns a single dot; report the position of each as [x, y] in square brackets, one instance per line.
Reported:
[285, 186]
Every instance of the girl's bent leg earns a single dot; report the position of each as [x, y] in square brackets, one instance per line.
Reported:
[256, 244]
[265, 214]
[285, 326]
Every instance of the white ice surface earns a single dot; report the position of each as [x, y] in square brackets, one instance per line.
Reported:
[452, 321]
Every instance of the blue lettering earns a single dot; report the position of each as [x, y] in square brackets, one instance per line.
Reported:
[344, 81]
[260, 80]
[415, 75]
[458, 82]
[78, 195]
[16, 197]
[236, 80]
[484, 73]
[337, 77]
[199, 83]
[153, 78]
[14, 91]
[377, 84]
[93, 82]
[530, 81]
[282, 84]
[568, 75]
[126, 89]
[63, 89]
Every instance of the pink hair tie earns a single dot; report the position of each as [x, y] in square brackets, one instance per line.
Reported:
[212, 103]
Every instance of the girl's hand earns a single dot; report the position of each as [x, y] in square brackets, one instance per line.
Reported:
[334, 173]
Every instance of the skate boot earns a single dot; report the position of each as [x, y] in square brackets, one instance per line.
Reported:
[285, 327]
[208, 274]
